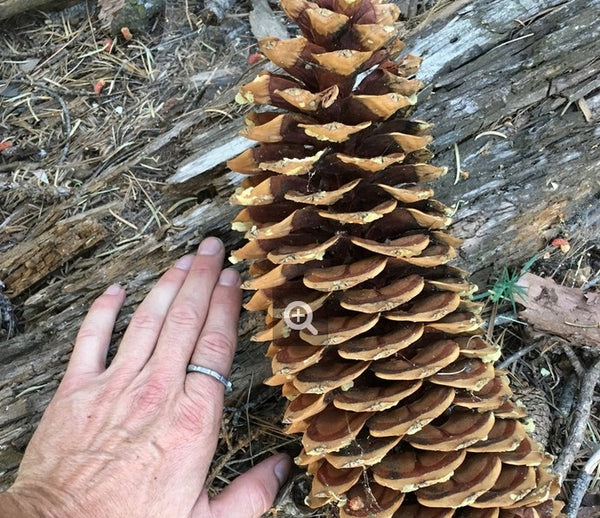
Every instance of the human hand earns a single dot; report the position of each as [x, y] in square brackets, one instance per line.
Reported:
[136, 439]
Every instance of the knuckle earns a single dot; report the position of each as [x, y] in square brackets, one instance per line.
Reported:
[119, 377]
[151, 396]
[145, 321]
[69, 385]
[216, 344]
[107, 396]
[185, 315]
[262, 500]
[173, 276]
[196, 418]
[87, 332]
[103, 304]
[204, 268]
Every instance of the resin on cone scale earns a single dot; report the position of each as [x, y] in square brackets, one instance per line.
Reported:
[393, 389]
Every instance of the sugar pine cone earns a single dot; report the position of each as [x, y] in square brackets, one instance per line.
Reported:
[401, 410]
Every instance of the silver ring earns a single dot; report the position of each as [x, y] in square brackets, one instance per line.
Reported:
[205, 370]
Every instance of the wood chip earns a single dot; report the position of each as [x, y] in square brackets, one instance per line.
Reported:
[559, 310]
[263, 22]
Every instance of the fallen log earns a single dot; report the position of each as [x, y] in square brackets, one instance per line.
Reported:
[10, 8]
[511, 88]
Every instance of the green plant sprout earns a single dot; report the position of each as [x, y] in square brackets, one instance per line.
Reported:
[504, 285]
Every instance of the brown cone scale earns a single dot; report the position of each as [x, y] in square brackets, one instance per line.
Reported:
[392, 385]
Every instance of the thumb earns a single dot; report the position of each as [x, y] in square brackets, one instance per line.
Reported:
[252, 493]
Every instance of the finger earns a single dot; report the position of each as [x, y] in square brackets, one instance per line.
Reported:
[142, 332]
[92, 342]
[187, 314]
[216, 345]
[253, 493]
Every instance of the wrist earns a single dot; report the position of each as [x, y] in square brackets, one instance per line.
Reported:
[15, 503]
[10, 507]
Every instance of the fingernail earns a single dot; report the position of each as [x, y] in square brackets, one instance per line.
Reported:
[210, 246]
[185, 262]
[282, 470]
[229, 277]
[114, 289]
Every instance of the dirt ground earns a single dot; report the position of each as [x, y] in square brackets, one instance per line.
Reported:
[81, 107]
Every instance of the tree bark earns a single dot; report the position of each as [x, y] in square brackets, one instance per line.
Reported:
[10, 8]
[526, 70]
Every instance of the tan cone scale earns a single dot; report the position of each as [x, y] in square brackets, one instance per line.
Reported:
[401, 411]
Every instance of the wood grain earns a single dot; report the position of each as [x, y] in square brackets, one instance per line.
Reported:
[560, 310]
[10, 8]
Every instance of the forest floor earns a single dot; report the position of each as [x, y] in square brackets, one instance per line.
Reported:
[79, 105]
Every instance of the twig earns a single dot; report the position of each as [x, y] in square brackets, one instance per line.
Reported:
[592, 325]
[513, 40]
[504, 319]
[215, 10]
[66, 120]
[494, 133]
[256, 400]
[220, 463]
[187, 15]
[65, 111]
[519, 354]
[575, 363]
[457, 158]
[541, 13]
[566, 399]
[250, 385]
[581, 415]
[591, 283]
[581, 484]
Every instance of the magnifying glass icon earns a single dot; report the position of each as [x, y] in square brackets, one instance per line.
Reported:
[298, 316]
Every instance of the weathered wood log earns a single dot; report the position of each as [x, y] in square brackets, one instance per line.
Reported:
[10, 8]
[33, 260]
[559, 310]
[523, 70]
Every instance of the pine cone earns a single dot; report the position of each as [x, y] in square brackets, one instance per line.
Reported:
[401, 410]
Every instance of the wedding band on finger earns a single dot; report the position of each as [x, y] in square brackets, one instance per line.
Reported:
[209, 372]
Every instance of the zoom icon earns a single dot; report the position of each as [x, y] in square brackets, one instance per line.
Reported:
[298, 316]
